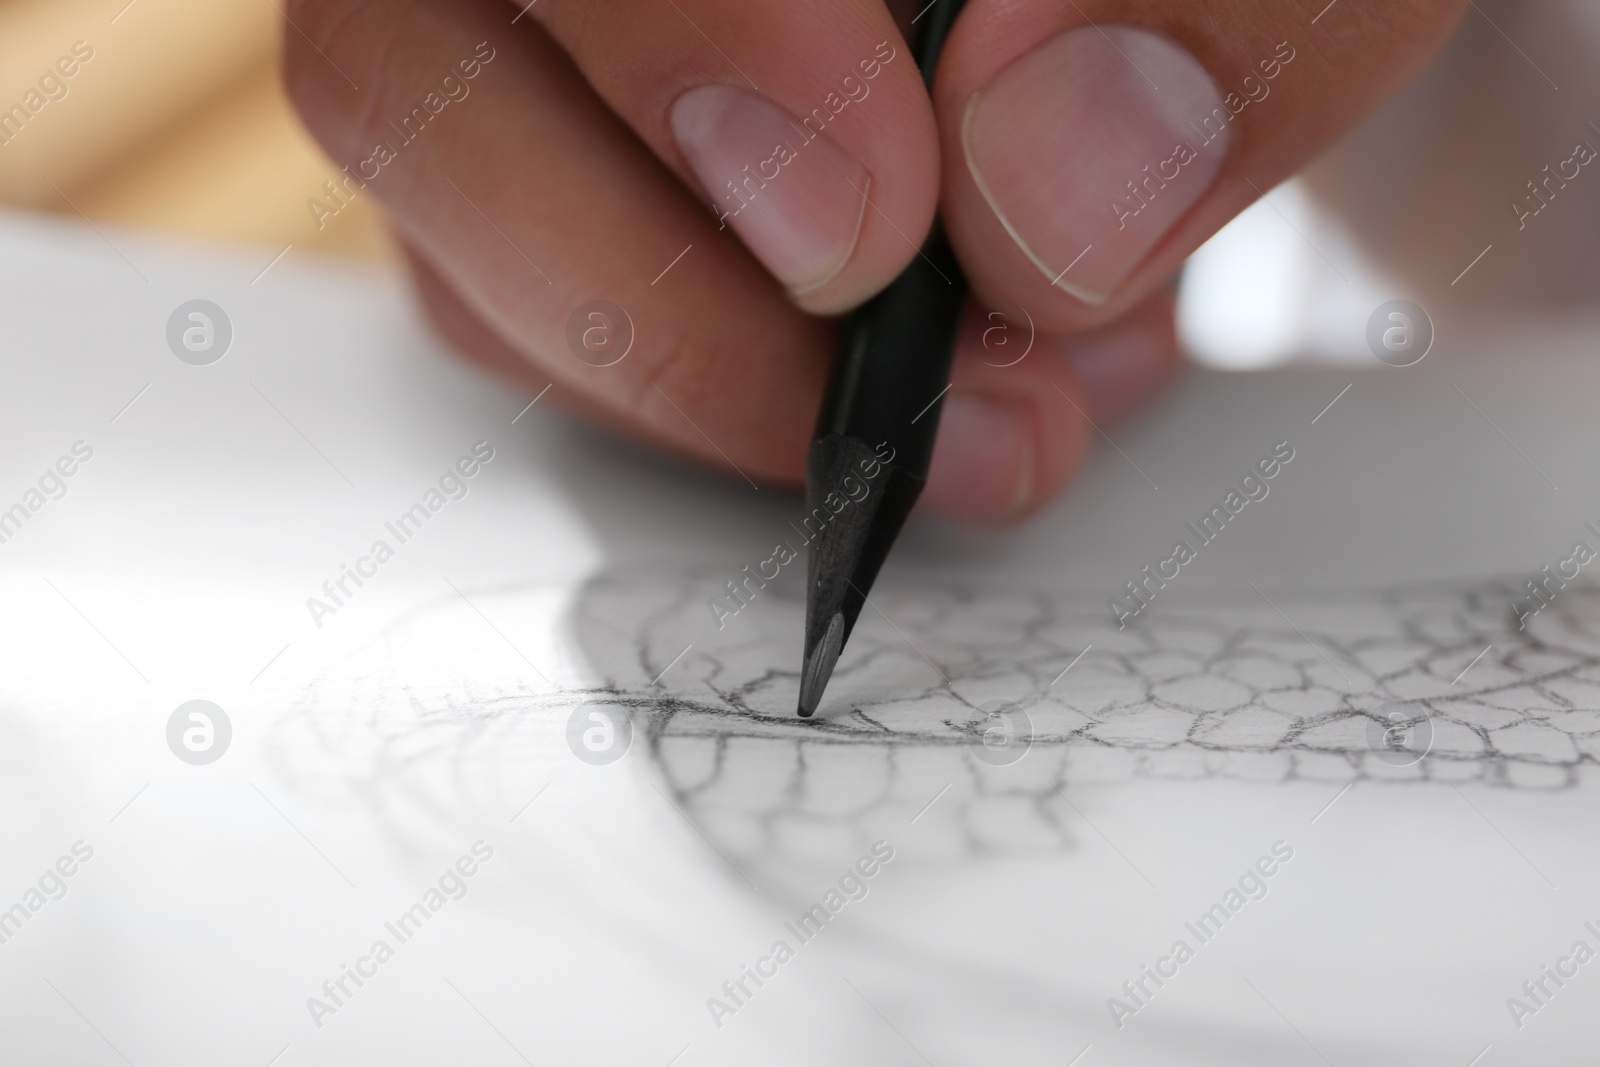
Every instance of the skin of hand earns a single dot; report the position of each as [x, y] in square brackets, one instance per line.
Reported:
[700, 184]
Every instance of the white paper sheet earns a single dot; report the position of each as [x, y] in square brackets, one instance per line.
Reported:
[431, 711]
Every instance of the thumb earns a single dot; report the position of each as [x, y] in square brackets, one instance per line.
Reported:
[1090, 146]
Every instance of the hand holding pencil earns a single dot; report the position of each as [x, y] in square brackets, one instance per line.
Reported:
[731, 174]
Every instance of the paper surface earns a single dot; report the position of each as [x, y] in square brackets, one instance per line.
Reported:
[1228, 729]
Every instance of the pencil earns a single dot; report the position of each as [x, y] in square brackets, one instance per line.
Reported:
[879, 418]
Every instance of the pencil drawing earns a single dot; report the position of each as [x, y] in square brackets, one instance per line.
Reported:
[1292, 688]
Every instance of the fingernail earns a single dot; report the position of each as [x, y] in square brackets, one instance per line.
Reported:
[1090, 147]
[983, 465]
[793, 196]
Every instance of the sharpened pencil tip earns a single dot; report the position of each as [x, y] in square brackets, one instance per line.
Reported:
[818, 667]
[847, 552]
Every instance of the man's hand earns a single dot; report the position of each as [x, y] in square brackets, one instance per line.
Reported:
[651, 153]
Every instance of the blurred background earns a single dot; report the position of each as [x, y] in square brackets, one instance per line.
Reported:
[178, 124]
